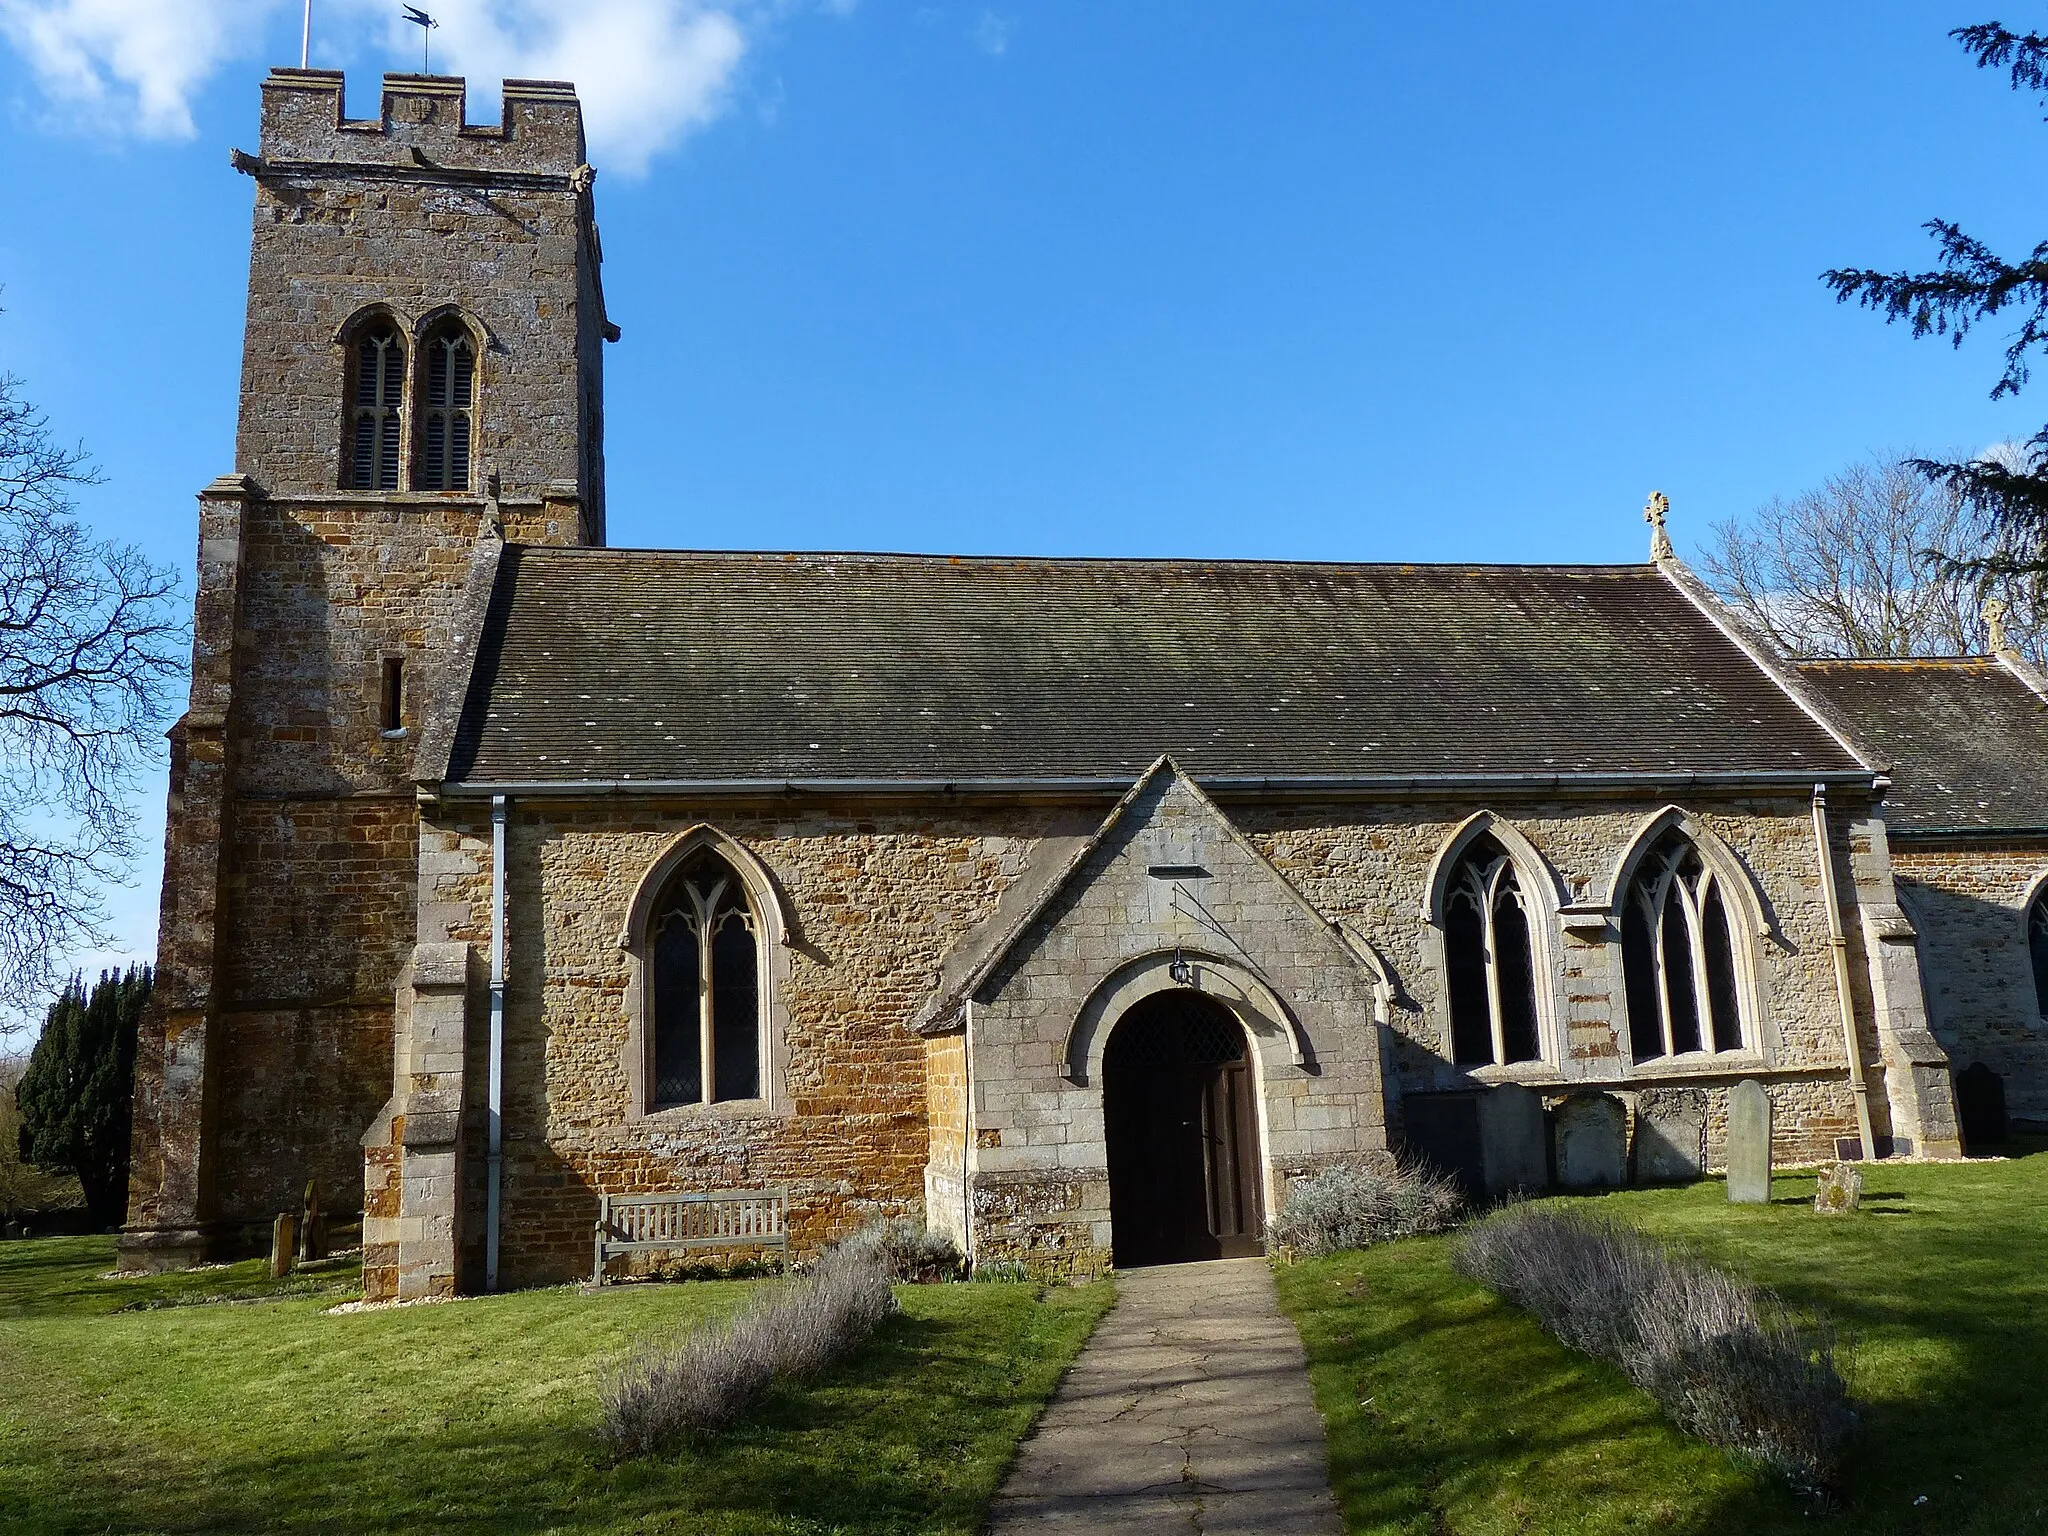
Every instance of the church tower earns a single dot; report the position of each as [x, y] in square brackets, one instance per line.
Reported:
[421, 382]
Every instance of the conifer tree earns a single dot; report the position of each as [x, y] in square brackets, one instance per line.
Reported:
[75, 1098]
[1973, 284]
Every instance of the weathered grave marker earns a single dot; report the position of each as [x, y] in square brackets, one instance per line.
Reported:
[1592, 1142]
[1671, 1135]
[1840, 1190]
[283, 1243]
[1511, 1140]
[1749, 1143]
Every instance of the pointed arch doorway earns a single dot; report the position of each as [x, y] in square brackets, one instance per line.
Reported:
[1185, 1176]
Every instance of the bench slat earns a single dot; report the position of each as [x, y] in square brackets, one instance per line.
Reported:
[690, 1219]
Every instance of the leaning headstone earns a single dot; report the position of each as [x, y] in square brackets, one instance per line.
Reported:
[1749, 1143]
[312, 1226]
[1840, 1190]
[1592, 1142]
[1671, 1135]
[1511, 1140]
[283, 1245]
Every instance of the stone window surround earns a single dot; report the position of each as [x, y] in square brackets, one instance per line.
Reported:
[771, 924]
[2036, 894]
[413, 331]
[1597, 917]
[1543, 891]
[1748, 927]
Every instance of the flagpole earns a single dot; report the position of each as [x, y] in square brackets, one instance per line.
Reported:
[306, 39]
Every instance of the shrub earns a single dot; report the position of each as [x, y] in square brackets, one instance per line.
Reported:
[1723, 1357]
[662, 1395]
[912, 1254]
[1365, 1201]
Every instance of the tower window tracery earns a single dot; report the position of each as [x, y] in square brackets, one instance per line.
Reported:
[1490, 958]
[2037, 947]
[447, 409]
[370, 460]
[1678, 956]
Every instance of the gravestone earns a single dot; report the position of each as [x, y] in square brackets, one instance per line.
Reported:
[312, 1226]
[1442, 1130]
[283, 1245]
[1592, 1142]
[1840, 1190]
[1980, 1107]
[1749, 1143]
[1511, 1140]
[1671, 1135]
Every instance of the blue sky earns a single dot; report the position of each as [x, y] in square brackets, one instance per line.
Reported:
[1325, 280]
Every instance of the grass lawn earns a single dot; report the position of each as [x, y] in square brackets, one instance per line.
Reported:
[1450, 1411]
[209, 1402]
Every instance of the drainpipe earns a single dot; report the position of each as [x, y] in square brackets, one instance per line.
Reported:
[494, 1114]
[967, 1132]
[1838, 946]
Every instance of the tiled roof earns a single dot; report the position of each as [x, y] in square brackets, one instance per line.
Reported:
[617, 664]
[1968, 739]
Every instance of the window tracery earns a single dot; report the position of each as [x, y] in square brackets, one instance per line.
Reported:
[2037, 947]
[447, 408]
[1490, 960]
[1678, 956]
[706, 953]
[374, 427]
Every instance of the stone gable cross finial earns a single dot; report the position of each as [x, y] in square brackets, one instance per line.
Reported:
[1653, 513]
[1995, 610]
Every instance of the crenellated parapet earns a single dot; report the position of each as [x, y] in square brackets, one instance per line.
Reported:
[421, 126]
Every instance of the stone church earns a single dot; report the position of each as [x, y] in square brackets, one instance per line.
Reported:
[1075, 906]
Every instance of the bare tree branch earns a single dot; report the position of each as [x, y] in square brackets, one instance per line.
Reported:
[91, 652]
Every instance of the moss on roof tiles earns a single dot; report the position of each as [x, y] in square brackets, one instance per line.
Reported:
[1968, 739]
[613, 664]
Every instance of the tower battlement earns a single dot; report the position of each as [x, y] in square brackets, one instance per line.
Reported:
[422, 118]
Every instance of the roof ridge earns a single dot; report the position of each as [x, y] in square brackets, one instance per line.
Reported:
[1632, 569]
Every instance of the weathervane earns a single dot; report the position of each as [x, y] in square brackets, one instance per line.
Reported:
[426, 24]
[1995, 610]
[1653, 513]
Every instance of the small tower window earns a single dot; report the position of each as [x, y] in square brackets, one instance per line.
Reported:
[391, 695]
[447, 409]
[373, 428]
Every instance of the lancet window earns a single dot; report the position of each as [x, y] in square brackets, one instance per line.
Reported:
[706, 949]
[1678, 956]
[2037, 947]
[1490, 959]
[378, 387]
[447, 409]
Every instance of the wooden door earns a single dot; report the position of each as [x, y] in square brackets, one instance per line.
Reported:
[1184, 1168]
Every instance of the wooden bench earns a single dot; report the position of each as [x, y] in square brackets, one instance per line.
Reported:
[718, 1218]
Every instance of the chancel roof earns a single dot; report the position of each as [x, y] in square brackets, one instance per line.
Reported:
[1968, 738]
[616, 665]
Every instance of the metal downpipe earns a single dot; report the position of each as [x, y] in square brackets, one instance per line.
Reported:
[494, 1112]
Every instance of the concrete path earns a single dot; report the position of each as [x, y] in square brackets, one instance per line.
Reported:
[1189, 1411]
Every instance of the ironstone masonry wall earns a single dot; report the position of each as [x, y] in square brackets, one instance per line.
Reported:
[877, 894]
[1969, 898]
[292, 839]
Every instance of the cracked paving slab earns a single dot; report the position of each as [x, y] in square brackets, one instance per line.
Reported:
[1189, 1411]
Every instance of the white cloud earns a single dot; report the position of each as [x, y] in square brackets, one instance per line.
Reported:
[992, 33]
[121, 66]
[649, 71]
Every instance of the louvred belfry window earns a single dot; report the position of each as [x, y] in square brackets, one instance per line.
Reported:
[447, 410]
[707, 988]
[1490, 959]
[374, 428]
[1678, 956]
